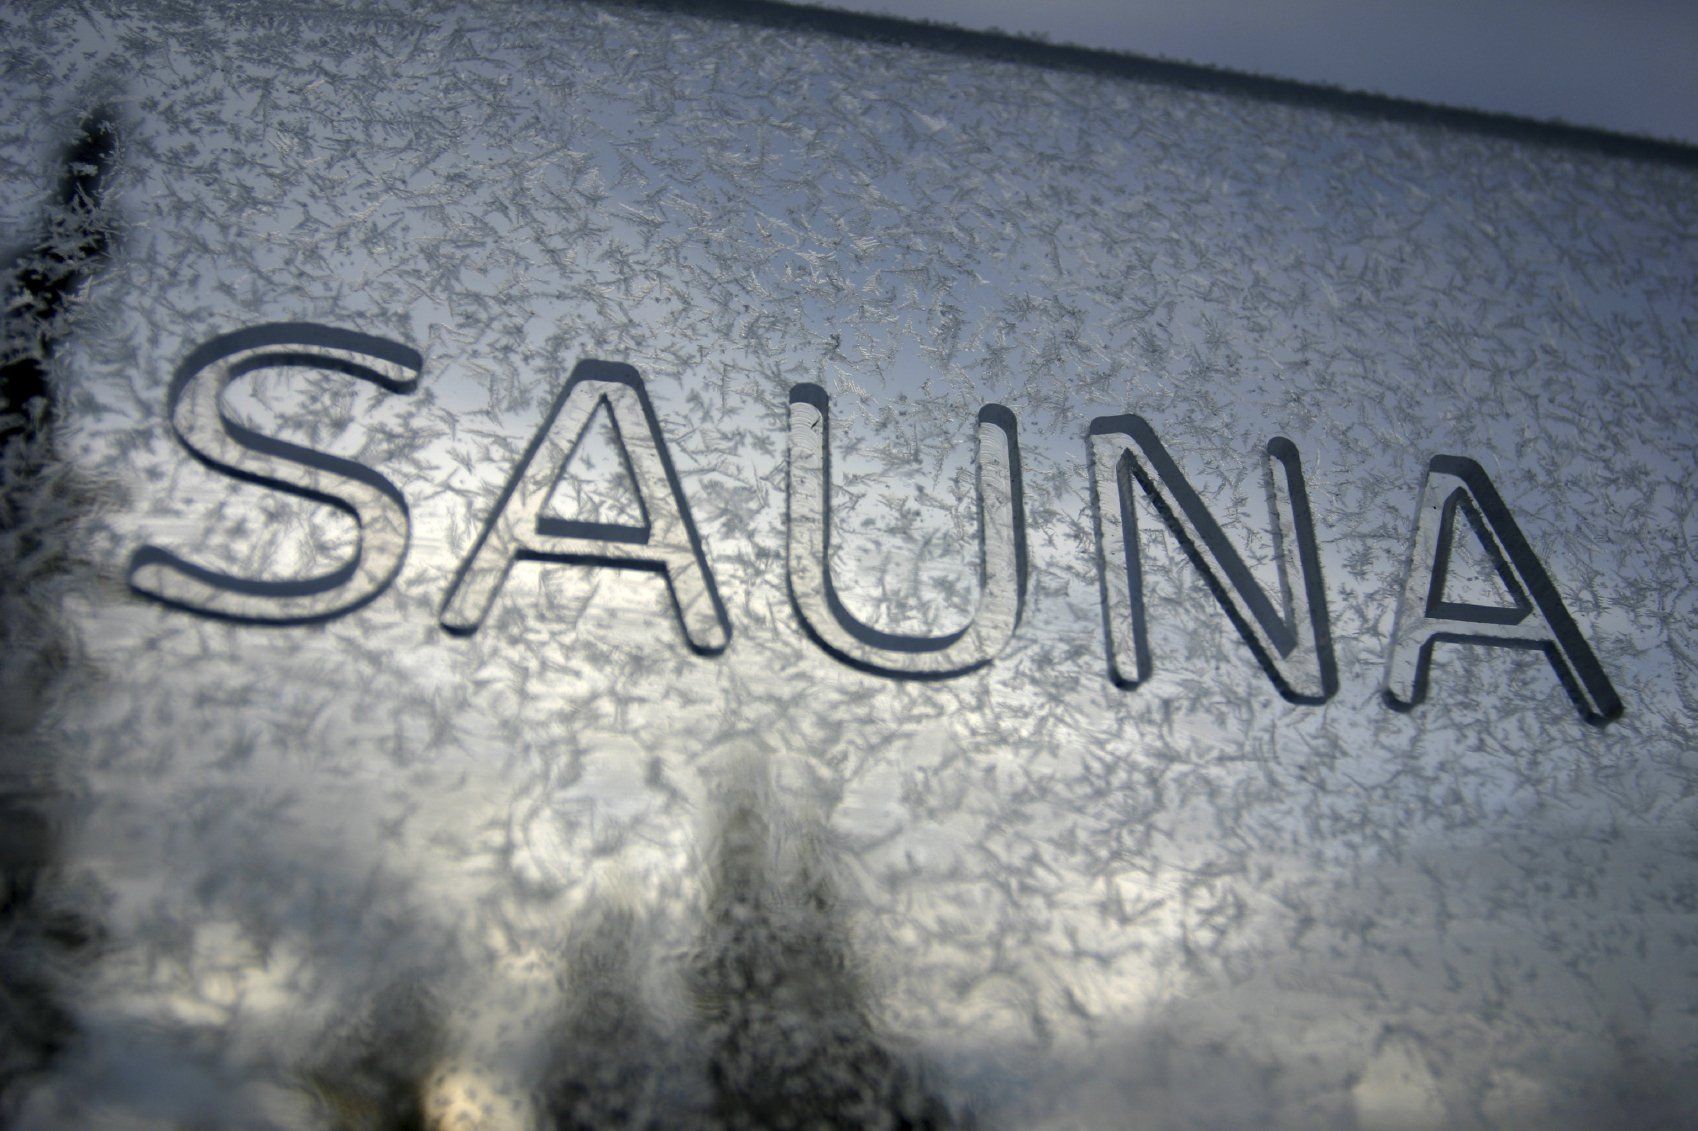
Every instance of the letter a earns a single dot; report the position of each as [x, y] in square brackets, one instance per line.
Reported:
[1291, 642]
[1535, 617]
[666, 542]
[1002, 553]
[196, 408]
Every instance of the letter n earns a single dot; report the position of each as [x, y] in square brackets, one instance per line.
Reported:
[1534, 618]
[1291, 641]
[666, 542]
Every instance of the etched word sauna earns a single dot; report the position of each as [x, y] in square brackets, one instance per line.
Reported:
[1289, 634]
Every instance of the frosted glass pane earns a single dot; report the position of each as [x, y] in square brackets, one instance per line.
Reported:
[652, 839]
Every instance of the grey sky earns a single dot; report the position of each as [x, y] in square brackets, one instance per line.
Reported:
[1626, 66]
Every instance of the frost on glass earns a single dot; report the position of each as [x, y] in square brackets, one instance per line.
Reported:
[1533, 617]
[1002, 553]
[664, 540]
[195, 405]
[1292, 642]
[569, 869]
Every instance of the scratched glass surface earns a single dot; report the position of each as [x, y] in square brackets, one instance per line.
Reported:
[568, 867]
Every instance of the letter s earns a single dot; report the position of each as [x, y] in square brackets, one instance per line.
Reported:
[195, 406]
